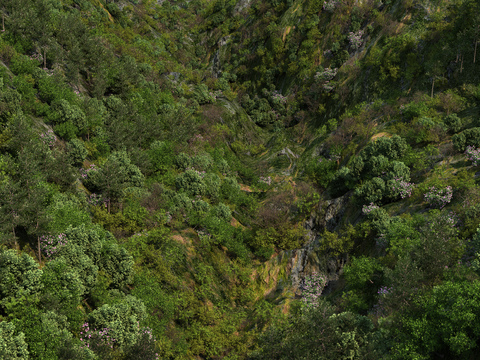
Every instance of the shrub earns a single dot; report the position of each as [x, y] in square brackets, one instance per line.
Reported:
[438, 198]
[342, 181]
[12, 343]
[371, 191]
[453, 123]
[183, 161]
[473, 155]
[117, 264]
[121, 320]
[191, 181]
[212, 186]
[161, 157]
[230, 188]
[77, 151]
[202, 162]
[19, 277]
[223, 212]
[469, 137]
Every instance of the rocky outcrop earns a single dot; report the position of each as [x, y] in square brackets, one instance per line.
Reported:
[310, 258]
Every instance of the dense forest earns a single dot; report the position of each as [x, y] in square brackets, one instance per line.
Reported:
[239, 179]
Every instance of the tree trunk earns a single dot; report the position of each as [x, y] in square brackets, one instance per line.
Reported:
[3, 22]
[44, 58]
[39, 253]
[14, 237]
[475, 52]
[433, 84]
[461, 64]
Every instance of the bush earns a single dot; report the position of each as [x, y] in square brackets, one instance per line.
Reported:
[202, 162]
[161, 156]
[438, 198]
[342, 181]
[77, 151]
[212, 186]
[12, 343]
[121, 320]
[223, 212]
[19, 277]
[229, 188]
[469, 137]
[453, 123]
[372, 191]
[117, 264]
[183, 161]
[191, 181]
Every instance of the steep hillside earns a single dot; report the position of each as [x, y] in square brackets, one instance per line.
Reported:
[239, 179]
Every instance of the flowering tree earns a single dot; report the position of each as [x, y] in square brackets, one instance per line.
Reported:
[98, 341]
[367, 209]
[438, 198]
[330, 5]
[355, 39]
[51, 244]
[473, 155]
[312, 289]
[401, 187]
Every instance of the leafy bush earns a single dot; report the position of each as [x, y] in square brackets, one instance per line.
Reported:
[12, 343]
[342, 181]
[117, 264]
[202, 162]
[229, 188]
[469, 137]
[121, 320]
[222, 211]
[212, 186]
[438, 198]
[183, 161]
[453, 123]
[77, 151]
[191, 181]
[161, 156]
[19, 277]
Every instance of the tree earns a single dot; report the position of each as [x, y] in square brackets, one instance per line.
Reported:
[12, 343]
[19, 278]
[121, 319]
[116, 175]
[445, 321]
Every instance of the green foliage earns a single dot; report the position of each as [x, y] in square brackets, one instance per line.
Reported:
[122, 320]
[337, 244]
[115, 176]
[12, 344]
[202, 95]
[191, 181]
[322, 171]
[39, 326]
[117, 264]
[19, 278]
[446, 322]
[318, 334]
[363, 276]
[77, 151]
[65, 211]
[453, 123]
[160, 156]
[469, 137]
[62, 286]
[342, 181]
[285, 237]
